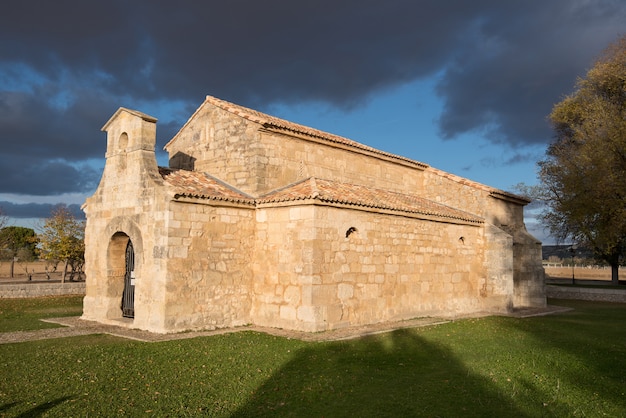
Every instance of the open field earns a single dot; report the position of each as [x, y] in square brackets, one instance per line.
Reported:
[36, 270]
[570, 364]
[582, 273]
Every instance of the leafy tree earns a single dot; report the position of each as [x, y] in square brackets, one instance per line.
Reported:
[17, 240]
[583, 176]
[63, 239]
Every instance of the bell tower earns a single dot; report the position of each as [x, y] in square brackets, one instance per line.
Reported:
[131, 140]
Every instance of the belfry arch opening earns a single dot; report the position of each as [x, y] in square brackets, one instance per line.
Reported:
[122, 143]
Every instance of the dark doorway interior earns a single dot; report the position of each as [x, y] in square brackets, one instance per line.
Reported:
[128, 296]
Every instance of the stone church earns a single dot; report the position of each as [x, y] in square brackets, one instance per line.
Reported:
[258, 220]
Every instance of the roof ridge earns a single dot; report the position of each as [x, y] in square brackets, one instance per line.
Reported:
[288, 186]
[315, 190]
[274, 122]
[228, 186]
[189, 184]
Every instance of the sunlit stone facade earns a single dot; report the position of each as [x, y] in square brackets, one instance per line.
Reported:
[258, 220]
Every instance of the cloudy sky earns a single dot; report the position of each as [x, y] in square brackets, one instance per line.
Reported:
[464, 86]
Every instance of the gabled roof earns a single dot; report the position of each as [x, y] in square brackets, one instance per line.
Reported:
[195, 184]
[202, 186]
[279, 125]
[142, 115]
[275, 124]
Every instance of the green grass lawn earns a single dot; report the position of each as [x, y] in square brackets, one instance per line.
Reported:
[25, 314]
[571, 364]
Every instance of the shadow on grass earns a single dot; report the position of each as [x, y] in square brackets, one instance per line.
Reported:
[395, 374]
[37, 410]
[7, 406]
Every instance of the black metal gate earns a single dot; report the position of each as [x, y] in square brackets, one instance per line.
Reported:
[128, 297]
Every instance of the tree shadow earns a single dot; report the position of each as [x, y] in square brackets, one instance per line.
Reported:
[35, 411]
[394, 374]
[5, 407]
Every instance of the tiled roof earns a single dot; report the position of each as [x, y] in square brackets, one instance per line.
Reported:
[269, 121]
[272, 122]
[198, 185]
[195, 184]
[275, 124]
[357, 195]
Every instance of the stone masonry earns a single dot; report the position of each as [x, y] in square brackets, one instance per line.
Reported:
[258, 220]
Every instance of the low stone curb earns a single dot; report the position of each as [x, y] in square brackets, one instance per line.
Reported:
[74, 326]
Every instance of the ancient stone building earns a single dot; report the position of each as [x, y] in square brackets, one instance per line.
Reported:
[258, 220]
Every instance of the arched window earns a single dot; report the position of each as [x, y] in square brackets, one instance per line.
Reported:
[122, 143]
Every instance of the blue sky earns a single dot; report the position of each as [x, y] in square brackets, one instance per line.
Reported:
[463, 86]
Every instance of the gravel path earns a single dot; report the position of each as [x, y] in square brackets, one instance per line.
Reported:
[74, 326]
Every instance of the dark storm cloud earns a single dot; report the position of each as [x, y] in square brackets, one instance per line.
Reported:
[35, 210]
[34, 128]
[65, 66]
[288, 51]
[44, 177]
[520, 62]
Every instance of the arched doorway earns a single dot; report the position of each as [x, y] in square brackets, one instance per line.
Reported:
[121, 267]
[128, 295]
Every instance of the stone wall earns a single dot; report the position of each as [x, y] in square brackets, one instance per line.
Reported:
[310, 276]
[529, 275]
[33, 290]
[284, 265]
[209, 271]
[290, 158]
[586, 293]
[454, 191]
[255, 160]
[217, 142]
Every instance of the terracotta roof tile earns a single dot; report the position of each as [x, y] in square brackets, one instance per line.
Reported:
[357, 195]
[200, 185]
